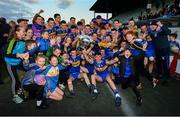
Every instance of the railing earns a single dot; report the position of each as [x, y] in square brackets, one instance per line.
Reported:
[173, 21]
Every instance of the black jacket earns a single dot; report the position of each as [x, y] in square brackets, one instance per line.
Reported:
[160, 38]
[123, 65]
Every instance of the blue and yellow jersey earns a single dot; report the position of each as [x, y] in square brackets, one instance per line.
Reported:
[103, 44]
[94, 30]
[150, 50]
[116, 70]
[101, 67]
[136, 47]
[90, 68]
[148, 38]
[150, 43]
[53, 70]
[61, 33]
[52, 32]
[71, 35]
[75, 67]
[52, 76]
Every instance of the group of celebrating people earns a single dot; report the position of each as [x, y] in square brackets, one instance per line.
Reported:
[56, 53]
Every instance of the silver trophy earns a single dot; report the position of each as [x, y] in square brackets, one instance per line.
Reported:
[84, 42]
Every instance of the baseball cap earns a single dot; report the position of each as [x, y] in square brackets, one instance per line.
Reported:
[22, 19]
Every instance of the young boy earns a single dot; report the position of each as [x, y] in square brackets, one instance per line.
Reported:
[64, 75]
[102, 74]
[115, 67]
[61, 32]
[67, 44]
[174, 45]
[127, 72]
[50, 28]
[32, 49]
[54, 51]
[75, 71]
[137, 48]
[149, 59]
[28, 83]
[175, 50]
[43, 42]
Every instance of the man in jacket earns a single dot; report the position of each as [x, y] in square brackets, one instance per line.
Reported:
[159, 34]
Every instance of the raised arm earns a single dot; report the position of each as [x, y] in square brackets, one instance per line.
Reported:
[26, 64]
[87, 58]
[110, 62]
[37, 15]
[164, 28]
[90, 48]
[61, 67]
